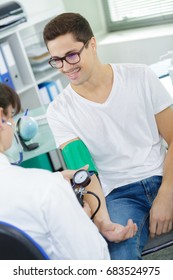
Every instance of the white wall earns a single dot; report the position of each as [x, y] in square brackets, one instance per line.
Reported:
[135, 50]
[91, 10]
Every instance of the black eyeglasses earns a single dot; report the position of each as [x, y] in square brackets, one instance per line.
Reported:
[71, 58]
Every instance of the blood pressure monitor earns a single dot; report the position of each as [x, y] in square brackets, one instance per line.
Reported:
[81, 178]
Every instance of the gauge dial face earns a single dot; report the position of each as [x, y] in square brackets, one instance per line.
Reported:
[81, 177]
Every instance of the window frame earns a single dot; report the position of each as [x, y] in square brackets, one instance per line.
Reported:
[125, 25]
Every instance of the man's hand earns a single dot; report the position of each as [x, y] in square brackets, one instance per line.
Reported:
[116, 232]
[161, 213]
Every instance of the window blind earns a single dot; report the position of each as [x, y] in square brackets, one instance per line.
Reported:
[125, 14]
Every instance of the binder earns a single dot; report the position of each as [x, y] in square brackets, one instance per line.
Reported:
[44, 95]
[11, 64]
[52, 90]
[5, 75]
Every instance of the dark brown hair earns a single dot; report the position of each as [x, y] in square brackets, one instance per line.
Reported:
[8, 97]
[65, 23]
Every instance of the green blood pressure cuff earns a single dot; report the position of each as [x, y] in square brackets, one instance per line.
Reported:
[76, 155]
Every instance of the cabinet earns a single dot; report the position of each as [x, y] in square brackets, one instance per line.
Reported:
[19, 39]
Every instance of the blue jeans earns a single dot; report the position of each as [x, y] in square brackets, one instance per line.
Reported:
[132, 201]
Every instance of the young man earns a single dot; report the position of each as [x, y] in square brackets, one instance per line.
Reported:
[42, 204]
[120, 113]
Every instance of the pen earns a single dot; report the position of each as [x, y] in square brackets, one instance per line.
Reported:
[26, 112]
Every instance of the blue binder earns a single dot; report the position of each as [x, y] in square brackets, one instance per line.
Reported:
[4, 73]
[11, 65]
[52, 89]
[44, 95]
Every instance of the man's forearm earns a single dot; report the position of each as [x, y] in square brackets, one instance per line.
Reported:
[167, 181]
[95, 187]
[161, 213]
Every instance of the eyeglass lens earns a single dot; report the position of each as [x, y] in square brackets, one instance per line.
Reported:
[71, 58]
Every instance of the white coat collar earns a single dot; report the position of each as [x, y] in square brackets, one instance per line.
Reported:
[4, 160]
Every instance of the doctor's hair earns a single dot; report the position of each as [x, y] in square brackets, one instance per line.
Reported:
[68, 23]
[8, 96]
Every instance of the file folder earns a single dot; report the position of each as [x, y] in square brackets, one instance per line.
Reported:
[5, 75]
[44, 95]
[52, 89]
[11, 64]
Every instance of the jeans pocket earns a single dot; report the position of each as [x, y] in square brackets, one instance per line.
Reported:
[151, 186]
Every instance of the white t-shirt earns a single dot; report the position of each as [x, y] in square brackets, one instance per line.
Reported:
[44, 206]
[121, 133]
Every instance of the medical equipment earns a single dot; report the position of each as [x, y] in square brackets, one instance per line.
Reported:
[81, 179]
[76, 155]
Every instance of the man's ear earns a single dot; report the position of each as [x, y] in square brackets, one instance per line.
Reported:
[1, 111]
[93, 43]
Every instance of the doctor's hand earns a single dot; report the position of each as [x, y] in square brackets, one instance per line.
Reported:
[68, 174]
[116, 232]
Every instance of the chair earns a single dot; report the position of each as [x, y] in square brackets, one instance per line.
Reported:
[15, 244]
[158, 243]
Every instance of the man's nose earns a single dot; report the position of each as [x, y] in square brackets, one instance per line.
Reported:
[66, 66]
